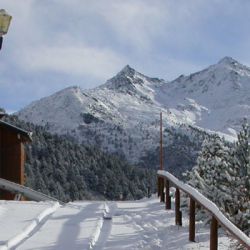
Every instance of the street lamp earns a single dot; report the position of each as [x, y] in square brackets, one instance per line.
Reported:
[5, 19]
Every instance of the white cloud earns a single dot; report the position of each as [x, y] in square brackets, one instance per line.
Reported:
[134, 22]
[88, 41]
[74, 60]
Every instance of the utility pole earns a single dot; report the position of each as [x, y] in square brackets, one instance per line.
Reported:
[160, 179]
[161, 141]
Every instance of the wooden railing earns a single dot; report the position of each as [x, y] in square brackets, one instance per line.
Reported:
[165, 180]
[27, 192]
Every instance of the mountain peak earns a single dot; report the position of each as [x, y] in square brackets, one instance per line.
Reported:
[126, 71]
[128, 80]
[229, 63]
[227, 60]
[124, 80]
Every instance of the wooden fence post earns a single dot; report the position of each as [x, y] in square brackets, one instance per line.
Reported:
[162, 190]
[159, 185]
[168, 180]
[178, 215]
[168, 197]
[192, 220]
[214, 234]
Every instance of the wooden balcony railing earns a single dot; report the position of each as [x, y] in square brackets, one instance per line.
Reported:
[165, 180]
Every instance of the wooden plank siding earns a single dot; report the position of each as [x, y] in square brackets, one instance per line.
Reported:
[12, 159]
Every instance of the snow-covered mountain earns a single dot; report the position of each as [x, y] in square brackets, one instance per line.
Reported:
[122, 115]
[216, 98]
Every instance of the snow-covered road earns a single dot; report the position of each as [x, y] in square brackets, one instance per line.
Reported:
[143, 224]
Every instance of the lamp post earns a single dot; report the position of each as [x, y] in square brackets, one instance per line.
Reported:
[5, 19]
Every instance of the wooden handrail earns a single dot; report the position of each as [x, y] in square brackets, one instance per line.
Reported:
[26, 191]
[217, 215]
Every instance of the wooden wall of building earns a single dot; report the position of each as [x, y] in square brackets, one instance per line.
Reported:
[12, 159]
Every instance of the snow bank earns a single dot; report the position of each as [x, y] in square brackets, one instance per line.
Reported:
[209, 205]
[96, 233]
[30, 228]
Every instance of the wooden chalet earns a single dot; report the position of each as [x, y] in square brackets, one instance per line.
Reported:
[12, 155]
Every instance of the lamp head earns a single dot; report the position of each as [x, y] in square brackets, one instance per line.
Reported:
[5, 19]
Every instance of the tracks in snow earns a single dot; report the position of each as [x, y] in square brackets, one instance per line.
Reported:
[30, 228]
[73, 226]
[105, 229]
[135, 225]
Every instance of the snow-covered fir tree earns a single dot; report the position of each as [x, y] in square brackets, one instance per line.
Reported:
[211, 172]
[222, 174]
[241, 173]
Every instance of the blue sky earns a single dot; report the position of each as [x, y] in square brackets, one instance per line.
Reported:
[55, 44]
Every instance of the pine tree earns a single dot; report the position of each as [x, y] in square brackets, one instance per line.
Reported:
[222, 174]
[241, 184]
[210, 174]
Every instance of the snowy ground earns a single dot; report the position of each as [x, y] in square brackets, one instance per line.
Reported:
[143, 224]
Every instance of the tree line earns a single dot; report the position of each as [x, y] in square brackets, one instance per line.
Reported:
[62, 168]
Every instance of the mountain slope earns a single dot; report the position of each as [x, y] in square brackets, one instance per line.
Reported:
[118, 116]
[216, 98]
[122, 115]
